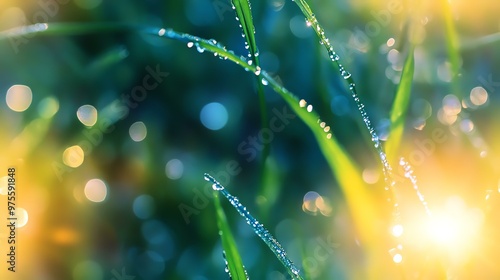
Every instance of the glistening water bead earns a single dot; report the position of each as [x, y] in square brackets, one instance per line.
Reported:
[258, 228]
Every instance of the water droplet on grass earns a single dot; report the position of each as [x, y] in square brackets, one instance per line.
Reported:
[200, 49]
[257, 71]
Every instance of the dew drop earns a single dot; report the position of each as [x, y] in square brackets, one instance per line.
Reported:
[217, 187]
[345, 74]
[190, 44]
[257, 71]
[199, 48]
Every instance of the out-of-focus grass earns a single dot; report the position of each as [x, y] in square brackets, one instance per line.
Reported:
[400, 107]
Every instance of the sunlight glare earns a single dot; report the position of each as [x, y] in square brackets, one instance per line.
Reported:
[457, 226]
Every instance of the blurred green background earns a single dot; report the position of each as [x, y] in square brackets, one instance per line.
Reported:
[110, 163]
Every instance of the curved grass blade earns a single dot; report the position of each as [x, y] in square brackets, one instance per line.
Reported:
[258, 228]
[400, 106]
[231, 254]
[363, 208]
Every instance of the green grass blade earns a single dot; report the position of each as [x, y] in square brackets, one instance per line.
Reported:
[232, 255]
[400, 106]
[258, 228]
[244, 16]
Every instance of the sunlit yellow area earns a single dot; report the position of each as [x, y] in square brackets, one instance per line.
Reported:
[371, 175]
[65, 236]
[397, 230]
[21, 216]
[4, 185]
[397, 258]
[456, 227]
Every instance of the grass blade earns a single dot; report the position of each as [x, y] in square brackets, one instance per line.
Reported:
[244, 16]
[400, 106]
[258, 228]
[232, 255]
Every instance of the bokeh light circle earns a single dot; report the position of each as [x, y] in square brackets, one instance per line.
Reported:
[19, 98]
[138, 131]
[478, 96]
[73, 156]
[87, 115]
[22, 217]
[214, 116]
[95, 190]
[143, 206]
[174, 169]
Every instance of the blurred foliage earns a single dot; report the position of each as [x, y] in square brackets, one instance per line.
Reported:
[157, 220]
